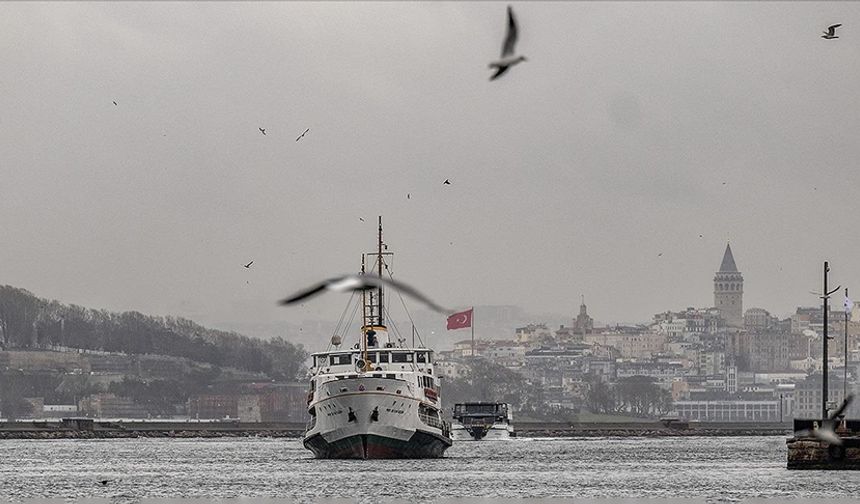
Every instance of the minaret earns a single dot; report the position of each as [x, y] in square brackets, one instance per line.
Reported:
[729, 290]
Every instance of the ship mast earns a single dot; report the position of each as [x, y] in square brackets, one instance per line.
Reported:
[372, 302]
[364, 318]
[379, 319]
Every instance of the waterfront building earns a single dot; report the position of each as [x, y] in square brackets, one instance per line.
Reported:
[729, 410]
[107, 405]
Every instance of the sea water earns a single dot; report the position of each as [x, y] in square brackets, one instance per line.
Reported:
[710, 469]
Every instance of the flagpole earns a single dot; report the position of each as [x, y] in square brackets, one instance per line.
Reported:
[473, 332]
[845, 361]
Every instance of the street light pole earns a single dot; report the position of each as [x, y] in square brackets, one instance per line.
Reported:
[825, 295]
[824, 348]
[780, 408]
[845, 359]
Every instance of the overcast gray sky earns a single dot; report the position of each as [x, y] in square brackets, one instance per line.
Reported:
[632, 129]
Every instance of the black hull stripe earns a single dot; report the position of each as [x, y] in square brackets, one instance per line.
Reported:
[371, 446]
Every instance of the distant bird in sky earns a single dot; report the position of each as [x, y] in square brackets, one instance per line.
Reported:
[302, 135]
[360, 283]
[361, 219]
[262, 130]
[831, 32]
[447, 182]
[700, 236]
[508, 59]
[660, 254]
[114, 103]
[248, 266]
[408, 196]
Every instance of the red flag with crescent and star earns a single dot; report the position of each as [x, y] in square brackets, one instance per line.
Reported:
[460, 320]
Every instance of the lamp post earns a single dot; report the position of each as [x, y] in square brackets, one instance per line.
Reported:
[780, 408]
[825, 295]
[845, 358]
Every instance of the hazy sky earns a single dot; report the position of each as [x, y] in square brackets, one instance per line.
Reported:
[632, 129]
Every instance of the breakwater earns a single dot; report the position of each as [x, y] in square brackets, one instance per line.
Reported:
[651, 429]
[78, 428]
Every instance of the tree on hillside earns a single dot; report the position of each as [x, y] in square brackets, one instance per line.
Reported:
[29, 322]
[18, 312]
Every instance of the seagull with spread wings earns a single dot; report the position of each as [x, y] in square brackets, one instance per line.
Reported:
[831, 32]
[508, 58]
[346, 283]
[827, 430]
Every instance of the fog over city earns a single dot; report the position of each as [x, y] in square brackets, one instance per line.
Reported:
[615, 163]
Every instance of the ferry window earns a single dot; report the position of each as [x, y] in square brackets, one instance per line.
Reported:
[421, 357]
[401, 357]
[383, 357]
[391, 376]
[371, 357]
[341, 359]
[429, 357]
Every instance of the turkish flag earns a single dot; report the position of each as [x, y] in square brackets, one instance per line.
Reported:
[460, 320]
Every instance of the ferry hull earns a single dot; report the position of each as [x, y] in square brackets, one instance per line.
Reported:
[372, 446]
[372, 418]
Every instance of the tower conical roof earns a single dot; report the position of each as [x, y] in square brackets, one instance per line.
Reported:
[728, 264]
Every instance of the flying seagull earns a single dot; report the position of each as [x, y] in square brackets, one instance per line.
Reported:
[262, 130]
[827, 430]
[302, 135]
[447, 182]
[249, 264]
[114, 103]
[508, 59]
[360, 283]
[831, 32]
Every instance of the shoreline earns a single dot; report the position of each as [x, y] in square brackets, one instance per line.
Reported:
[99, 429]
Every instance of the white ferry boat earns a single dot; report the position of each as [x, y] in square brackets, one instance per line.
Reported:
[479, 420]
[377, 399]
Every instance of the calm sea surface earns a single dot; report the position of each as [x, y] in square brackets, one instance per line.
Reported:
[709, 468]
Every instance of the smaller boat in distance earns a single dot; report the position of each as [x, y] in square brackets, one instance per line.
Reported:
[480, 420]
